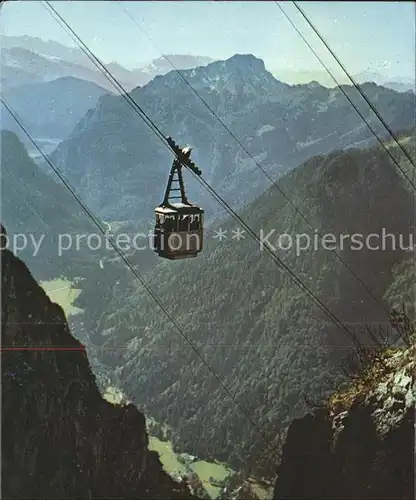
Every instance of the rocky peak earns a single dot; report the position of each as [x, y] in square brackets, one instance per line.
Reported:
[241, 62]
[241, 73]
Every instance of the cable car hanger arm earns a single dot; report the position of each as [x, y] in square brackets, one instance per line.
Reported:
[183, 156]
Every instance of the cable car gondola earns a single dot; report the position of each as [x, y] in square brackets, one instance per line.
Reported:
[178, 230]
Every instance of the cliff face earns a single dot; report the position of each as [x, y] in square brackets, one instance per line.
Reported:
[60, 438]
[363, 452]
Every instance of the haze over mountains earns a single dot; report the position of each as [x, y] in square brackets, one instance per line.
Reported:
[51, 86]
[57, 60]
[400, 84]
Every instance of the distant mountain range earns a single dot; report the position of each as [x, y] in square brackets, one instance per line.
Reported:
[105, 149]
[51, 86]
[28, 59]
[31, 60]
[400, 84]
[121, 168]
[21, 66]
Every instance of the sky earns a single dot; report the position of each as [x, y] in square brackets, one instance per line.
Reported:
[366, 36]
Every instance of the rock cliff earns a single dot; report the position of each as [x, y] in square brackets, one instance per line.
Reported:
[362, 445]
[60, 438]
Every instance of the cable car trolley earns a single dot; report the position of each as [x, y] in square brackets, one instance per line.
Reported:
[179, 225]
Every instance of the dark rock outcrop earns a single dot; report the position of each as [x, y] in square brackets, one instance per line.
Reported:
[366, 452]
[60, 438]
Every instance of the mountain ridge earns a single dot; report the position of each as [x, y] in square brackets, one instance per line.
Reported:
[279, 125]
[49, 110]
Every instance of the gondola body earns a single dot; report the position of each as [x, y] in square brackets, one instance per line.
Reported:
[178, 232]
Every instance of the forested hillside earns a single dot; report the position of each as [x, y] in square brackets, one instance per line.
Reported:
[49, 110]
[37, 209]
[263, 336]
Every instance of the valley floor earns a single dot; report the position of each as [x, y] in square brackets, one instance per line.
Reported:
[63, 293]
[212, 474]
